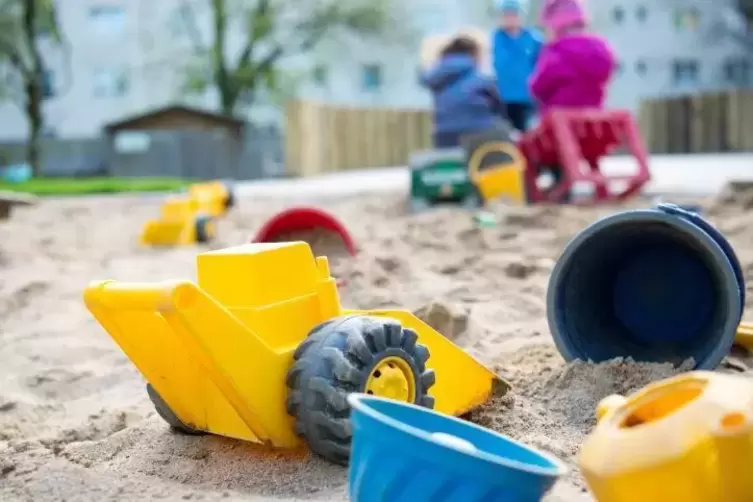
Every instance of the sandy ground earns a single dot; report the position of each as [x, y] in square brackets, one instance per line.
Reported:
[75, 421]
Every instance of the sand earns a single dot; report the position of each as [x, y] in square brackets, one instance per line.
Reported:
[75, 420]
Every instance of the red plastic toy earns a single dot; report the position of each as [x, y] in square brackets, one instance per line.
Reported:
[298, 219]
[574, 141]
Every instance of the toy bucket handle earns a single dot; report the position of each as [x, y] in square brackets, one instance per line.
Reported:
[474, 163]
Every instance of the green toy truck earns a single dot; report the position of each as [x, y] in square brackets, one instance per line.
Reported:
[439, 176]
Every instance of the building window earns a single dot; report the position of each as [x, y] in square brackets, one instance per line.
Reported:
[107, 20]
[640, 68]
[110, 83]
[641, 13]
[48, 84]
[685, 72]
[738, 72]
[371, 77]
[687, 19]
[321, 75]
[618, 14]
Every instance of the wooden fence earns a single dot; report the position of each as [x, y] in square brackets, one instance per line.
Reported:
[704, 123]
[321, 138]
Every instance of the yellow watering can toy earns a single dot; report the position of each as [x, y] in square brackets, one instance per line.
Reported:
[687, 438]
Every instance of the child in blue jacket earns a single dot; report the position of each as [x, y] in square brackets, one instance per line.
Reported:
[515, 50]
[465, 101]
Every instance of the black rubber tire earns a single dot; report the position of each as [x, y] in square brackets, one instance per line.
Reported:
[164, 411]
[336, 360]
[202, 229]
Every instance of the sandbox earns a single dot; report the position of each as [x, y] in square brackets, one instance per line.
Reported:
[75, 421]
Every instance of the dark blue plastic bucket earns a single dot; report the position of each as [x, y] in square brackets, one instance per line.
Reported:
[659, 285]
[405, 453]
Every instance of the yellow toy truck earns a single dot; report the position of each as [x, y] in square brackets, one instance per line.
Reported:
[260, 349]
[189, 218]
[181, 222]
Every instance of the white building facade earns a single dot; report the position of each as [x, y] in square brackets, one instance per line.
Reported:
[125, 57]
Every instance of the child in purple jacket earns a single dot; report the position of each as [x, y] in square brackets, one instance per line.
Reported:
[575, 66]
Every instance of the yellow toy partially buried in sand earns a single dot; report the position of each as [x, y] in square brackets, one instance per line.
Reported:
[687, 438]
[260, 349]
[189, 218]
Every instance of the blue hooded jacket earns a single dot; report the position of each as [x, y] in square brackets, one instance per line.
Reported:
[464, 99]
[514, 59]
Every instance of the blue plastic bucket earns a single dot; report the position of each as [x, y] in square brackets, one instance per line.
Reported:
[404, 453]
[658, 285]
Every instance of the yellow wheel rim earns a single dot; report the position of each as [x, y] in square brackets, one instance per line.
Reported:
[393, 378]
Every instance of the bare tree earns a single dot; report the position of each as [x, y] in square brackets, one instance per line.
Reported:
[273, 30]
[22, 71]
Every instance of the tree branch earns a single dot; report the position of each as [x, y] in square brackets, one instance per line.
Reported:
[268, 62]
[8, 50]
[316, 28]
[258, 31]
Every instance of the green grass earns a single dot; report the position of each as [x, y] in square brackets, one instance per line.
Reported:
[84, 186]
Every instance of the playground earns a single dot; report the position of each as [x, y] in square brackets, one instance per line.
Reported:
[75, 422]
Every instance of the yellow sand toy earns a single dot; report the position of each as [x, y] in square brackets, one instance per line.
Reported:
[180, 223]
[687, 438]
[497, 170]
[261, 350]
[189, 218]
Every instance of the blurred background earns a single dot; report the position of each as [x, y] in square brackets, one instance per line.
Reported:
[249, 89]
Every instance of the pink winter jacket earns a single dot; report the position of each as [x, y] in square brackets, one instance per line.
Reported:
[573, 72]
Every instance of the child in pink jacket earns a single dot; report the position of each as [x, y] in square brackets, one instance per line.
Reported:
[575, 66]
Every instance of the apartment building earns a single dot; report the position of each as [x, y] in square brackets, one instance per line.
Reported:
[670, 47]
[125, 58]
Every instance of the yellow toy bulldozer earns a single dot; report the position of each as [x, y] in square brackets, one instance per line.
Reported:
[189, 218]
[181, 222]
[260, 349]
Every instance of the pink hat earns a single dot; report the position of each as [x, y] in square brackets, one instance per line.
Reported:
[559, 14]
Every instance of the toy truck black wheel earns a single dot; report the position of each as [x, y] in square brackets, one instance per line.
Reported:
[373, 355]
[203, 233]
[164, 411]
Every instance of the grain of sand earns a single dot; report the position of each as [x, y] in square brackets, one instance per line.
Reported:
[75, 421]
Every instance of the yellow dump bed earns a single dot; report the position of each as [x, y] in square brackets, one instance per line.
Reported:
[199, 357]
